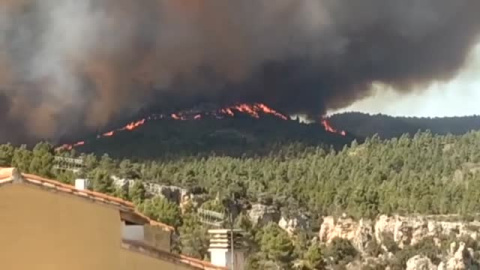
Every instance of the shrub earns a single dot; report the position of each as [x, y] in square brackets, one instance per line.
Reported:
[341, 251]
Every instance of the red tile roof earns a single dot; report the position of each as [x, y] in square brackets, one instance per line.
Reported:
[155, 223]
[10, 175]
[182, 259]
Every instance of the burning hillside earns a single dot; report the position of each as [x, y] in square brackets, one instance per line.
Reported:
[255, 110]
[79, 65]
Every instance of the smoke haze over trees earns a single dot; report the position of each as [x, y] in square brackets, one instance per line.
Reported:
[71, 66]
[387, 127]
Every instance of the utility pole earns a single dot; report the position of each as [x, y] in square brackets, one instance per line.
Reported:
[232, 240]
[230, 206]
[219, 241]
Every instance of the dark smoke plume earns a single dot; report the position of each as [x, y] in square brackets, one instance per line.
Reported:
[69, 66]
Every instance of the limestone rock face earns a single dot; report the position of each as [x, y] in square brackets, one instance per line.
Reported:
[190, 201]
[420, 262]
[360, 233]
[171, 193]
[404, 231]
[261, 214]
[411, 230]
[462, 259]
[122, 182]
[367, 263]
[290, 225]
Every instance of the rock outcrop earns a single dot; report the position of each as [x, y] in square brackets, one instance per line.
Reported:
[172, 193]
[261, 214]
[292, 224]
[360, 233]
[411, 230]
[462, 259]
[403, 230]
[420, 262]
[367, 263]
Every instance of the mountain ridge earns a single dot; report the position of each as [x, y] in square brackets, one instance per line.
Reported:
[387, 127]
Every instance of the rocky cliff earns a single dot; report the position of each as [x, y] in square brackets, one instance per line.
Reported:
[403, 230]
[405, 233]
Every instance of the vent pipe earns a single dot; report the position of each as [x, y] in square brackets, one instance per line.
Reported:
[81, 184]
[223, 252]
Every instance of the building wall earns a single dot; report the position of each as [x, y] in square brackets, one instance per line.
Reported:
[45, 230]
[157, 237]
[137, 261]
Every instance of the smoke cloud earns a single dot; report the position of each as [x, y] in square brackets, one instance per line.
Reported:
[71, 66]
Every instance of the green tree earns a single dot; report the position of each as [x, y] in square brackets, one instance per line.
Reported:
[90, 161]
[102, 182]
[341, 251]
[314, 258]
[42, 160]
[137, 192]
[162, 210]
[214, 205]
[123, 191]
[193, 237]
[22, 158]
[276, 246]
[6, 155]
[127, 170]
[107, 163]
[67, 177]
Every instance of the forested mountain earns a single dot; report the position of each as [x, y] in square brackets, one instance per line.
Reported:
[244, 135]
[367, 125]
[420, 174]
[237, 136]
[427, 174]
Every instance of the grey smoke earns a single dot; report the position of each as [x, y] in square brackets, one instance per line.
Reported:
[72, 66]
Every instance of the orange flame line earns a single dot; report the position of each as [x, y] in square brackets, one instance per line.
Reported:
[253, 110]
[109, 134]
[330, 129]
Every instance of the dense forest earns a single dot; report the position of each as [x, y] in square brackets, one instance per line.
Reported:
[419, 174]
[387, 127]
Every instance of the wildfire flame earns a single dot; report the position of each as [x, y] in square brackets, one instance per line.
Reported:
[254, 110]
[328, 127]
[108, 134]
[135, 125]
[176, 117]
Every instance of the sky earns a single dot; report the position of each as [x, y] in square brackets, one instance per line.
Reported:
[459, 96]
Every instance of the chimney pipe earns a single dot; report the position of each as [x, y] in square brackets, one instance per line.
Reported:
[81, 184]
[220, 249]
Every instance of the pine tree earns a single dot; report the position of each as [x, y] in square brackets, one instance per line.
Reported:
[126, 170]
[193, 237]
[276, 246]
[137, 192]
[106, 163]
[102, 182]
[123, 192]
[162, 210]
[314, 258]
[22, 158]
[6, 155]
[42, 160]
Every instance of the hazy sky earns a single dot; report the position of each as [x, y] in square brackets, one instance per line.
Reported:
[459, 96]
